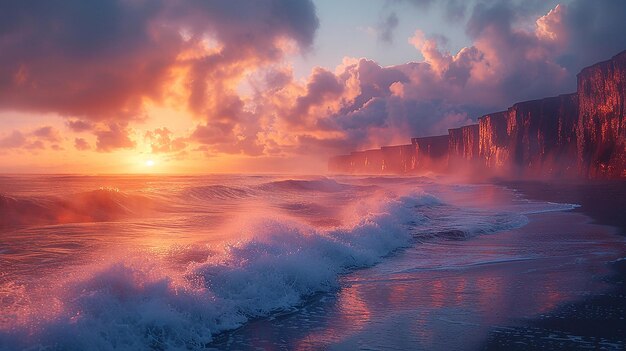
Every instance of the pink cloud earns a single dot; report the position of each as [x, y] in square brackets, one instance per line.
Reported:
[116, 136]
[33, 140]
[47, 133]
[79, 125]
[100, 60]
[99, 71]
[162, 141]
[81, 144]
[14, 140]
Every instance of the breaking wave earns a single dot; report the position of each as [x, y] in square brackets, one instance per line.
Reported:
[272, 264]
[92, 206]
[133, 304]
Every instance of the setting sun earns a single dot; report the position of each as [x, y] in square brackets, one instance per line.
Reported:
[312, 174]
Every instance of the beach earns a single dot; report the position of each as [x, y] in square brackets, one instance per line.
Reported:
[554, 283]
[598, 321]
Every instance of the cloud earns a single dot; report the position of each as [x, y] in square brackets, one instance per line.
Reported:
[591, 31]
[99, 60]
[30, 140]
[81, 144]
[363, 104]
[161, 141]
[115, 136]
[47, 133]
[14, 140]
[97, 63]
[79, 125]
[386, 28]
[455, 10]
[35, 145]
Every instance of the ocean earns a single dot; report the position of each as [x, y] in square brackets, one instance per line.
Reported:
[283, 262]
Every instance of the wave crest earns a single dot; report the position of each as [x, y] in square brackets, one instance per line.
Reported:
[94, 206]
[138, 305]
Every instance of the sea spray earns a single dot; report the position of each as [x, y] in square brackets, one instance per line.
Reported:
[135, 304]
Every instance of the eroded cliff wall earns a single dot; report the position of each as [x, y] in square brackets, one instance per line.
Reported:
[463, 143]
[399, 159]
[571, 135]
[423, 154]
[532, 138]
[493, 140]
[601, 131]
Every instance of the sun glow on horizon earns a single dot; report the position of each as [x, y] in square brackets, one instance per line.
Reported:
[149, 163]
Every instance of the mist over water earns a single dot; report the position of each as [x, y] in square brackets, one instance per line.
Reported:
[171, 262]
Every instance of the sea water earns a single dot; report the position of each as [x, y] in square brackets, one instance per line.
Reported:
[172, 262]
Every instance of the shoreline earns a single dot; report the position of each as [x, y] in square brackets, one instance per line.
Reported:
[467, 304]
[597, 321]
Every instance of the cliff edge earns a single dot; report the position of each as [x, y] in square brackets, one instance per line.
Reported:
[572, 135]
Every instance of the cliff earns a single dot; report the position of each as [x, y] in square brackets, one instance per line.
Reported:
[463, 143]
[431, 153]
[601, 135]
[423, 154]
[493, 141]
[541, 136]
[532, 138]
[399, 159]
[579, 134]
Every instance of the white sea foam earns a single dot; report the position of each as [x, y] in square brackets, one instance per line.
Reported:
[135, 303]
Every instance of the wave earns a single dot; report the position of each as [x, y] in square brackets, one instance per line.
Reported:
[137, 305]
[318, 185]
[142, 303]
[217, 192]
[545, 207]
[94, 206]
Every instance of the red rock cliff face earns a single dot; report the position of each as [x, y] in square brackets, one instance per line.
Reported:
[492, 146]
[581, 134]
[541, 136]
[463, 142]
[601, 135]
[533, 138]
[423, 154]
[431, 153]
[399, 159]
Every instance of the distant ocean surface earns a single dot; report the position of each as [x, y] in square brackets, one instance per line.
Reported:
[177, 262]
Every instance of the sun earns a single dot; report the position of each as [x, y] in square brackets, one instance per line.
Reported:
[149, 163]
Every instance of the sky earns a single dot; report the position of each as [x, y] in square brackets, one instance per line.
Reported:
[278, 86]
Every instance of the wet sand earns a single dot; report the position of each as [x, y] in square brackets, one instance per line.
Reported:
[597, 321]
[482, 293]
